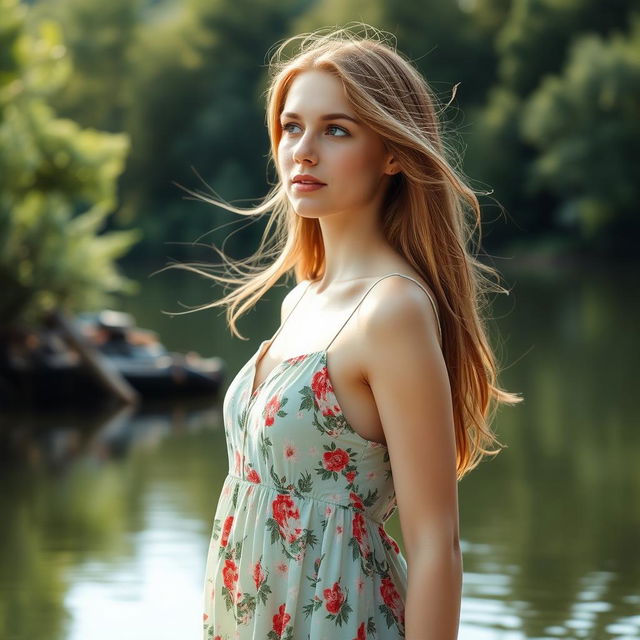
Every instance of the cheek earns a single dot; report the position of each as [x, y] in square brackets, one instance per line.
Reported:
[279, 155]
[283, 152]
[283, 161]
[359, 160]
[360, 164]
[359, 171]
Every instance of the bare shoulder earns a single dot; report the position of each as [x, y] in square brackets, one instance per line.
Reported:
[399, 310]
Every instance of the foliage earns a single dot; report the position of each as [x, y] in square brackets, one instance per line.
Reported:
[57, 185]
[98, 37]
[585, 125]
[197, 81]
[186, 79]
[540, 127]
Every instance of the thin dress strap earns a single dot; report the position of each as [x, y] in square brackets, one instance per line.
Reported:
[285, 320]
[435, 308]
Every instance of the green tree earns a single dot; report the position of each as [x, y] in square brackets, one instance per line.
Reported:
[585, 125]
[99, 37]
[200, 76]
[439, 37]
[537, 34]
[534, 43]
[57, 185]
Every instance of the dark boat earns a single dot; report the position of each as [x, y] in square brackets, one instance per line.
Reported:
[42, 367]
[143, 360]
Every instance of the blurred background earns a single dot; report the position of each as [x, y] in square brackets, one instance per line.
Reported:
[107, 107]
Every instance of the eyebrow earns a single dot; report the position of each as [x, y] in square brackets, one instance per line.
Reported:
[328, 116]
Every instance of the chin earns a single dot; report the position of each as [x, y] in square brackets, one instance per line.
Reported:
[307, 210]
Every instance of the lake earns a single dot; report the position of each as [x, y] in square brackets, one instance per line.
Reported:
[107, 514]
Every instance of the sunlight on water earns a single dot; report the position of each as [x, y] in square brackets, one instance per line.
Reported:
[154, 594]
[107, 519]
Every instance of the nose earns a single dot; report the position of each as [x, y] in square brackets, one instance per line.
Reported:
[304, 151]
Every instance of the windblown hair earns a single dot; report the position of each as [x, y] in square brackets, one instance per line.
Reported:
[429, 216]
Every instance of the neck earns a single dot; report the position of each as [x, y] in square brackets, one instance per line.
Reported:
[354, 249]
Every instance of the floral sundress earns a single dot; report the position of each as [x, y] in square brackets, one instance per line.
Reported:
[298, 549]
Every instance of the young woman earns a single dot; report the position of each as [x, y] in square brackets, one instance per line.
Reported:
[374, 392]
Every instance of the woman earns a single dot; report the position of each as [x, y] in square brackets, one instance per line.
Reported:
[374, 391]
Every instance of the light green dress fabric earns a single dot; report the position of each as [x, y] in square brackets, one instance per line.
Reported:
[298, 549]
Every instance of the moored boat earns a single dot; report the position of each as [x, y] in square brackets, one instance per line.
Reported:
[42, 367]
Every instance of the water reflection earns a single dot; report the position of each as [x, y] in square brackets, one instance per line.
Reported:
[108, 521]
[107, 514]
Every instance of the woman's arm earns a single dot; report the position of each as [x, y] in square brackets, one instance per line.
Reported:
[406, 371]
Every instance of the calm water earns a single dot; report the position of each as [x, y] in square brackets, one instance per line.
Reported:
[106, 518]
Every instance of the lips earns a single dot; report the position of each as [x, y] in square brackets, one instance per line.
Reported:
[306, 179]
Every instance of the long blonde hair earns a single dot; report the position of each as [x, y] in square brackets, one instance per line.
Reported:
[429, 217]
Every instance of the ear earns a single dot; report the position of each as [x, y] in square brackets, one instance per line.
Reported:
[391, 166]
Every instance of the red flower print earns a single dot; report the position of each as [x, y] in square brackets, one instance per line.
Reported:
[253, 476]
[324, 401]
[238, 461]
[271, 409]
[350, 476]
[284, 508]
[320, 384]
[335, 460]
[280, 620]
[205, 616]
[356, 501]
[258, 575]
[230, 574]
[359, 530]
[360, 534]
[226, 528]
[296, 359]
[294, 535]
[391, 597]
[391, 541]
[334, 598]
[361, 632]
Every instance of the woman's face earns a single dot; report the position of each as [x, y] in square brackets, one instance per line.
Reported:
[321, 138]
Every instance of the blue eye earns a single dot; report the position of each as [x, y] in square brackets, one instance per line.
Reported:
[285, 127]
[344, 133]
